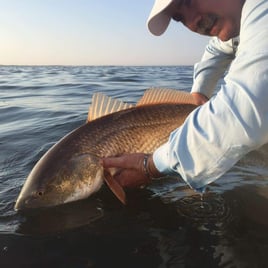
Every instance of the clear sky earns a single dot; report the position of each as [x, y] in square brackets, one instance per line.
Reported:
[90, 32]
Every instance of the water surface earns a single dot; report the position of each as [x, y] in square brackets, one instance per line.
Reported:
[165, 225]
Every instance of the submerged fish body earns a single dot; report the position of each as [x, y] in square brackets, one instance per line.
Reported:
[71, 169]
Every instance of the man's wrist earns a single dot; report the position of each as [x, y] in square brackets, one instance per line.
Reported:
[149, 167]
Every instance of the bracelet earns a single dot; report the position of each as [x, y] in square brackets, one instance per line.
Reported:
[145, 167]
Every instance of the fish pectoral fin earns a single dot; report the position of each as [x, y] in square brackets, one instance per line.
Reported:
[103, 105]
[115, 187]
[165, 95]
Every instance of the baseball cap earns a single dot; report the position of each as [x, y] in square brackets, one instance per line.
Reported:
[159, 20]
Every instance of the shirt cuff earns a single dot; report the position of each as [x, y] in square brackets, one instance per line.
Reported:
[161, 160]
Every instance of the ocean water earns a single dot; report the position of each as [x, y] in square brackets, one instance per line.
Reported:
[164, 225]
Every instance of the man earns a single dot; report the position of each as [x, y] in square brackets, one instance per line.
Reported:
[235, 120]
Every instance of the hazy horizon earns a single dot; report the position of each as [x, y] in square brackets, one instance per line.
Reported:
[91, 33]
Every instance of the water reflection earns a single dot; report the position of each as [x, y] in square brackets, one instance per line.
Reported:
[211, 208]
[252, 201]
[60, 219]
[218, 231]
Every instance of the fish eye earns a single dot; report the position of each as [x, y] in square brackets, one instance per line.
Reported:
[38, 194]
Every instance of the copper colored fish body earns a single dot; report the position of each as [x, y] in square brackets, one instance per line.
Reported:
[71, 169]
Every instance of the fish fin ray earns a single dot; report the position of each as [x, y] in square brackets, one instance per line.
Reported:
[115, 187]
[165, 95]
[103, 105]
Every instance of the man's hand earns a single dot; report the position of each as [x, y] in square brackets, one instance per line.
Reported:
[199, 98]
[132, 170]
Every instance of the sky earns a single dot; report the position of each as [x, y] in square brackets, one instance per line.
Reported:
[90, 32]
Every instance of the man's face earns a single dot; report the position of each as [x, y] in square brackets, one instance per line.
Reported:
[219, 18]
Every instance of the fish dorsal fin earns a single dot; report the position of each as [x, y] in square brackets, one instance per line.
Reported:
[165, 95]
[103, 105]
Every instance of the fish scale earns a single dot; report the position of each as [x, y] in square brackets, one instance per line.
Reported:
[137, 129]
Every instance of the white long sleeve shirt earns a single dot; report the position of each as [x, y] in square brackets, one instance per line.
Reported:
[234, 121]
[216, 60]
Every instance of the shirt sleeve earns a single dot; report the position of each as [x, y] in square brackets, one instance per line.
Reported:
[234, 121]
[217, 57]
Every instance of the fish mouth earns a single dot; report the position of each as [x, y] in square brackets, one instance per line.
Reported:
[30, 203]
[21, 204]
[29, 198]
[26, 202]
[206, 24]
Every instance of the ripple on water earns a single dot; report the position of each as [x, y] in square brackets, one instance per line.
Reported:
[206, 210]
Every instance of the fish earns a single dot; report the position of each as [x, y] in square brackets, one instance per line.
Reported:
[71, 169]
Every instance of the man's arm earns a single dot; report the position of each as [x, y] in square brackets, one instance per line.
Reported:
[212, 67]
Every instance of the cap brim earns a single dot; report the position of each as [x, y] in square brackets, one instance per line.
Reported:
[159, 19]
[158, 24]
